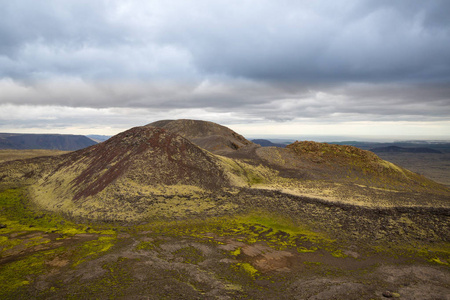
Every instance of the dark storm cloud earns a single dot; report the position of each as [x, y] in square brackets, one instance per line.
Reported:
[317, 43]
[276, 60]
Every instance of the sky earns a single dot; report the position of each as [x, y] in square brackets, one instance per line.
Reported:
[264, 68]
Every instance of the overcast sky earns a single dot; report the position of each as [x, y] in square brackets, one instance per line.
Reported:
[341, 67]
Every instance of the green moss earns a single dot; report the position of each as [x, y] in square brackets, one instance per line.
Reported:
[438, 261]
[277, 231]
[16, 275]
[306, 250]
[17, 216]
[6, 244]
[190, 255]
[312, 263]
[338, 253]
[236, 252]
[248, 268]
[145, 246]
[92, 249]
[13, 275]
[111, 285]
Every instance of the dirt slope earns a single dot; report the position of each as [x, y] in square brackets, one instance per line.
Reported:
[207, 135]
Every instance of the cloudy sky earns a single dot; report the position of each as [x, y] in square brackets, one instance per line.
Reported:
[300, 67]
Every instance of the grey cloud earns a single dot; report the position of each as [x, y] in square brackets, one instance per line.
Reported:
[383, 46]
[312, 41]
[256, 60]
[245, 98]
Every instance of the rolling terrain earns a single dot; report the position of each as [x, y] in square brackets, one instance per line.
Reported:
[12, 154]
[191, 209]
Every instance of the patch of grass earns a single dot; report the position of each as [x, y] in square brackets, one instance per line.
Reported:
[248, 269]
[438, 253]
[236, 252]
[111, 285]
[92, 249]
[145, 246]
[17, 275]
[244, 174]
[9, 154]
[278, 232]
[17, 216]
[439, 261]
[190, 255]
[312, 263]
[306, 250]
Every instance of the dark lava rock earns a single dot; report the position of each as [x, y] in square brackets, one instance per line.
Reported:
[387, 294]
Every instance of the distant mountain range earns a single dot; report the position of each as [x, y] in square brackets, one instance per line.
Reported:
[400, 146]
[98, 138]
[267, 143]
[396, 149]
[64, 142]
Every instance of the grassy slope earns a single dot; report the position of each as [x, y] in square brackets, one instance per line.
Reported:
[348, 175]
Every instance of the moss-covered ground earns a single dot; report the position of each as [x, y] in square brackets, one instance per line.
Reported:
[255, 254]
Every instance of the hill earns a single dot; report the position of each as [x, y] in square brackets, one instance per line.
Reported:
[348, 174]
[207, 135]
[125, 176]
[150, 214]
[62, 142]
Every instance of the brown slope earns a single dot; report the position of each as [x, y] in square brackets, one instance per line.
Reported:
[128, 172]
[207, 135]
[349, 174]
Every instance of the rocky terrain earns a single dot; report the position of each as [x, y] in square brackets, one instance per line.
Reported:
[207, 135]
[192, 210]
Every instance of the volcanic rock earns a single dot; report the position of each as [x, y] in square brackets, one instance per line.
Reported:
[207, 135]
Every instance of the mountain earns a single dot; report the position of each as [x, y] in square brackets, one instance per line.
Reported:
[207, 135]
[396, 149]
[64, 142]
[267, 143]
